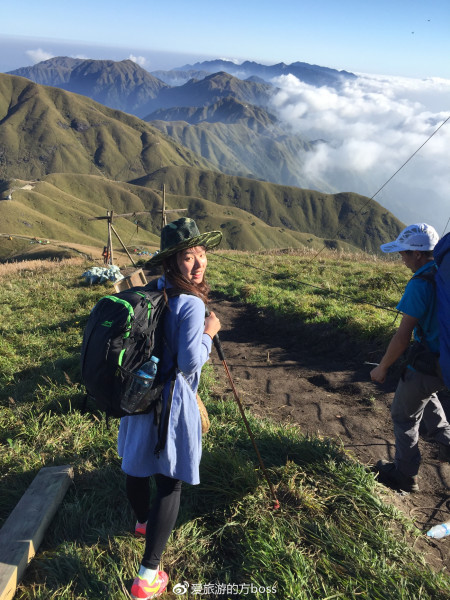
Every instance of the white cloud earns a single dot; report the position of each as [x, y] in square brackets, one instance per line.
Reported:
[139, 60]
[39, 55]
[372, 125]
[235, 61]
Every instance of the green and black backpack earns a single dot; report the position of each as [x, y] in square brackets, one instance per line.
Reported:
[123, 331]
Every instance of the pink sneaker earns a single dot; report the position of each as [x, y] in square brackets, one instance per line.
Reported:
[143, 590]
[141, 529]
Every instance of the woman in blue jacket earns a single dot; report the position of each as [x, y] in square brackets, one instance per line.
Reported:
[188, 339]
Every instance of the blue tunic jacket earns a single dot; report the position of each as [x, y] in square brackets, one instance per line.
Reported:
[183, 328]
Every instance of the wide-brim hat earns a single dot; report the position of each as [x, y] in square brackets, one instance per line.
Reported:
[182, 234]
[420, 236]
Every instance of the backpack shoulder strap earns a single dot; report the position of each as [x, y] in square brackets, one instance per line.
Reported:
[152, 286]
[429, 276]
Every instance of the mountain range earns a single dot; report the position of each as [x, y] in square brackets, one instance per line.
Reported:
[79, 153]
[312, 74]
[128, 87]
[239, 147]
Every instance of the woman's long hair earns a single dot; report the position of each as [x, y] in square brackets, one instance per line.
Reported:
[180, 282]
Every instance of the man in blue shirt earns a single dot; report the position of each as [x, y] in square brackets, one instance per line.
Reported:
[415, 397]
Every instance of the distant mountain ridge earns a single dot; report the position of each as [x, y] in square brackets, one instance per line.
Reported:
[312, 74]
[203, 92]
[122, 85]
[54, 71]
[126, 86]
[226, 110]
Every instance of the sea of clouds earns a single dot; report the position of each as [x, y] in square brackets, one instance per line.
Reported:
[371, 126]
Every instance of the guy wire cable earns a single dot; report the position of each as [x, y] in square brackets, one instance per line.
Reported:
[340, 229]
[445, 228]
[383, 186]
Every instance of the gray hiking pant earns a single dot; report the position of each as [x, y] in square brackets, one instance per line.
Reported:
[415, 398]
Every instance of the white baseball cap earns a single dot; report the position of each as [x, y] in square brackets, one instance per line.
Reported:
[419, 236]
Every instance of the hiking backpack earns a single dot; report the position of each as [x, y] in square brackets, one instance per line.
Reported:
[420, 356]
[123, 331]
[442, 257]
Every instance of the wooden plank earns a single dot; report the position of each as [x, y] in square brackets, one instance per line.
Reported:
[143, 212]
[137, 278]
[25, 527]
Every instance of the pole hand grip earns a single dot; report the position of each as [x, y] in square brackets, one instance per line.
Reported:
[216, 340]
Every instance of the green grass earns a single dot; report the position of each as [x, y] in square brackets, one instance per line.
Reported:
[331, 296]
[333, 536]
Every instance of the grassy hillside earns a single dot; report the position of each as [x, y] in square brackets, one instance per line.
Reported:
[61, 206]
[46, 130]
[333, 536]
[330, 301]
[237, 149]
[360, 222]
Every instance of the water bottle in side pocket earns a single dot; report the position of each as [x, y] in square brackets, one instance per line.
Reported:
[142, 380]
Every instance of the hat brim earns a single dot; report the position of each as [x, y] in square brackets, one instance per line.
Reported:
[209, 240]
[393, 247]
[397, 247]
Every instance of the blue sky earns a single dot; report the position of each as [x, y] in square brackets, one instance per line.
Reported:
[392, 37]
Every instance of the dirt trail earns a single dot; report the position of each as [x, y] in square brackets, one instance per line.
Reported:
[332, 397]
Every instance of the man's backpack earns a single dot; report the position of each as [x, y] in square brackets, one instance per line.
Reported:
[420, 356]
[123, 331]
[442, 257]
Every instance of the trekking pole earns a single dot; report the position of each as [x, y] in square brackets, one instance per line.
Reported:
[219, 349]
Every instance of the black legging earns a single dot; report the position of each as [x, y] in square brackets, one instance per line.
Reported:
[160, 517]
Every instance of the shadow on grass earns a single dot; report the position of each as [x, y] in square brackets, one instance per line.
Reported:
[331, 339]
[94, 524]
[36, 383]
[67, 570]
